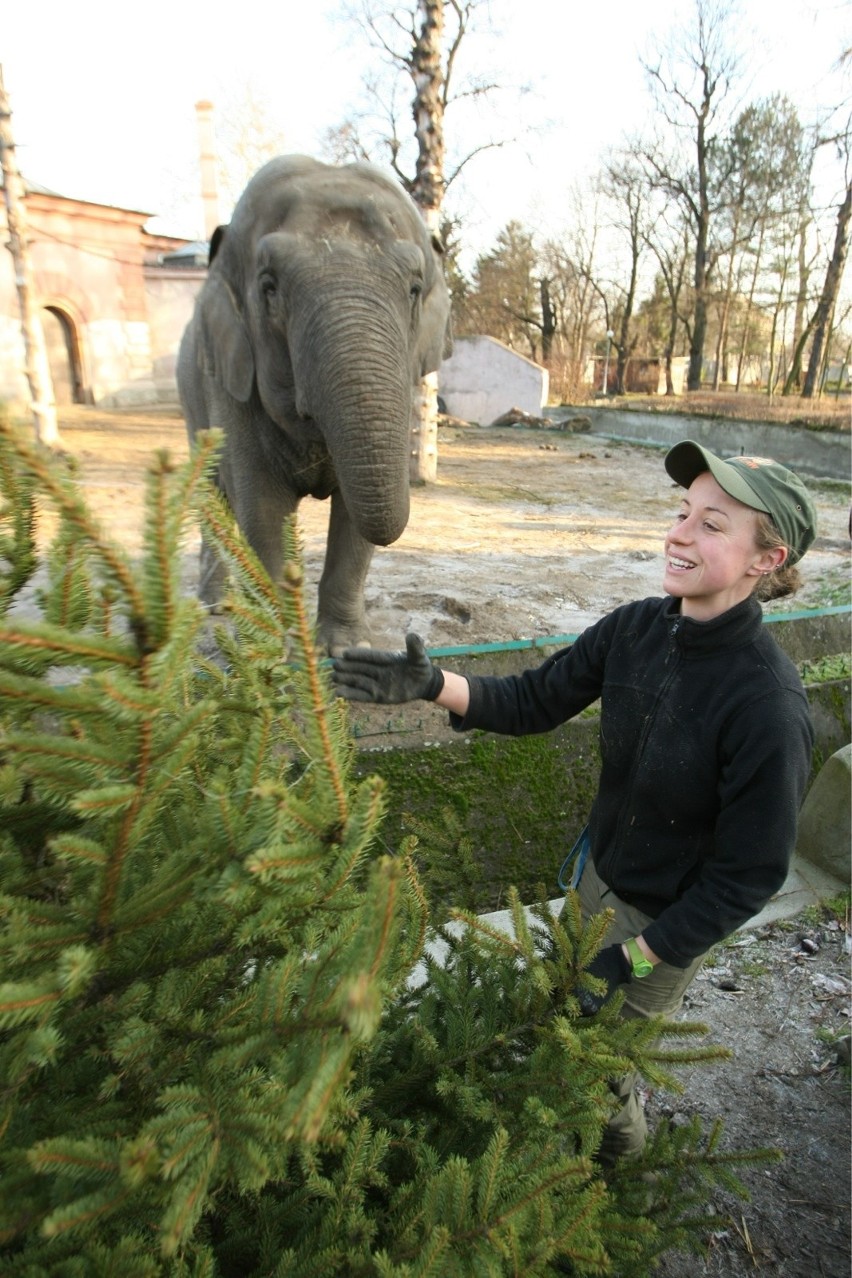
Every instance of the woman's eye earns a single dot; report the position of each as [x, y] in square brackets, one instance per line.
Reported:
[710, 527]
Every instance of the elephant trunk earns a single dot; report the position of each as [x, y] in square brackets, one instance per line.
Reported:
[361, 401]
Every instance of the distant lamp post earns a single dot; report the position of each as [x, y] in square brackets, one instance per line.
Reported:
[609, 336]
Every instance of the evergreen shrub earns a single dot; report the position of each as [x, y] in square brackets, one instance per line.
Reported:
[226, 1048]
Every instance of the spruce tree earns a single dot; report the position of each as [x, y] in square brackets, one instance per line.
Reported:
[226, 1048]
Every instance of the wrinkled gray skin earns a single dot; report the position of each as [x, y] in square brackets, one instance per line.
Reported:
[325, 303]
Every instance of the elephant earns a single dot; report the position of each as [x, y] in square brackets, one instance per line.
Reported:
[324, 305]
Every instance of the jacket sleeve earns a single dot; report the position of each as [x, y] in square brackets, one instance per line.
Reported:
[542, 698]
[765, 760]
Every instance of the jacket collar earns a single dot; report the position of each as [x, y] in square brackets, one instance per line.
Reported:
[732, 629]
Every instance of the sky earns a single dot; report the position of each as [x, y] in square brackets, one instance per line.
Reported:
[103, 93]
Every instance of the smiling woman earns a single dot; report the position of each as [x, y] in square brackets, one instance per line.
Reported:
[705, 739]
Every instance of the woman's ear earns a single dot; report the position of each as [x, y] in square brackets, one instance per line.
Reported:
[770, 560]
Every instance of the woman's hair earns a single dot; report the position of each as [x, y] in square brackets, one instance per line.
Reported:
[782, 581]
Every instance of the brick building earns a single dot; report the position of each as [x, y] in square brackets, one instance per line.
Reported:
[113, 301]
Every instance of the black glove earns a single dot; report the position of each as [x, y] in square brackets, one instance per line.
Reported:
[612, 966]
[387, 678]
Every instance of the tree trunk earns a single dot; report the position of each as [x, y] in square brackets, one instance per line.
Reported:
[548, 321]
[428, 192]
[35, 352]
[722, 337]
[801, 298]
[746, 333]
[828, 299]
[701, 273]
[699, 313]
[625, 349]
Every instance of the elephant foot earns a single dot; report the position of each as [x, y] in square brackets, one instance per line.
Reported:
[336, 637]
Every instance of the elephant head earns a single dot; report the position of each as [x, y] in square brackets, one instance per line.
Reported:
[326, 303]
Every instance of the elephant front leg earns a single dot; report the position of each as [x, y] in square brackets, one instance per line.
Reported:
[341, 614]
[261, 511]
[212, 577]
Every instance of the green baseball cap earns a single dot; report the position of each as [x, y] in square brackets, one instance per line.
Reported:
[758, 482]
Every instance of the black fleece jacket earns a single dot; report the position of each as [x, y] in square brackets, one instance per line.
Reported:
[705, 742]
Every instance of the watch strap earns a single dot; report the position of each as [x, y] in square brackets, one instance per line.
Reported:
[640, 964]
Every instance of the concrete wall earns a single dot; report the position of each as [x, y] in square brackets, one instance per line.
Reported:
[171, 299]
[484, 379]
[827, 454]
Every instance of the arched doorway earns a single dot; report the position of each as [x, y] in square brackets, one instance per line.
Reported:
[63, 356]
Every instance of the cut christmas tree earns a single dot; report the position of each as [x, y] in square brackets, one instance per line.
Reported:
[224, 1047]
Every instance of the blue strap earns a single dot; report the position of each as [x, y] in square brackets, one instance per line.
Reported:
[576, 858]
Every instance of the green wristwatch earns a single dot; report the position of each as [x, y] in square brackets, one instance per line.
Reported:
[641, 965]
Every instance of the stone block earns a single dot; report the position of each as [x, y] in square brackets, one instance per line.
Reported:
[483, 379]
[825, 822]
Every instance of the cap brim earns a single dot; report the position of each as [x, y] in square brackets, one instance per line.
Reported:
[686, 461]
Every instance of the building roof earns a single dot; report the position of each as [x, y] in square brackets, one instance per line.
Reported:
[35, 188]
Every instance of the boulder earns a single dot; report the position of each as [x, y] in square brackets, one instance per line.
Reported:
[517, 417]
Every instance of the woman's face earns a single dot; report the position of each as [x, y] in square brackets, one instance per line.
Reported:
[712, 559]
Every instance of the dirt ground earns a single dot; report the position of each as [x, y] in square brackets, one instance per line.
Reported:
[529, 534]
[778, 999]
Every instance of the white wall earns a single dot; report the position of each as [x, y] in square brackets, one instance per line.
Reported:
[171, 298]
[484, 379]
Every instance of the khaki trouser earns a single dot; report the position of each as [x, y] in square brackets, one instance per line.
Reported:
[660, 994]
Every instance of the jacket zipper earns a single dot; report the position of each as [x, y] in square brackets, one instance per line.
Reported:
[650, 719]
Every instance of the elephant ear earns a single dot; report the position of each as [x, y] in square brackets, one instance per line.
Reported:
[228, 356]
[216, 240]
[436, 329]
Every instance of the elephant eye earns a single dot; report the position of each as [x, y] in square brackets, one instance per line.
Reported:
[416, 290]
[268, 287]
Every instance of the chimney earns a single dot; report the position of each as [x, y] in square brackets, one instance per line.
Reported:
[207, 156]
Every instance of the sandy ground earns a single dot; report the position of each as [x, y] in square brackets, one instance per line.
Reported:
[529, 534]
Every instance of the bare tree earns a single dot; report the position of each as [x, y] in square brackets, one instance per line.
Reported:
[690, 82]
[767, 165]
[403, 35]
[427, 73]
[570, 266]
[421, 40]
[670, 244]
[247, 136]
[817, 329]
[626, 188]
[36, 364]
[824, 314]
